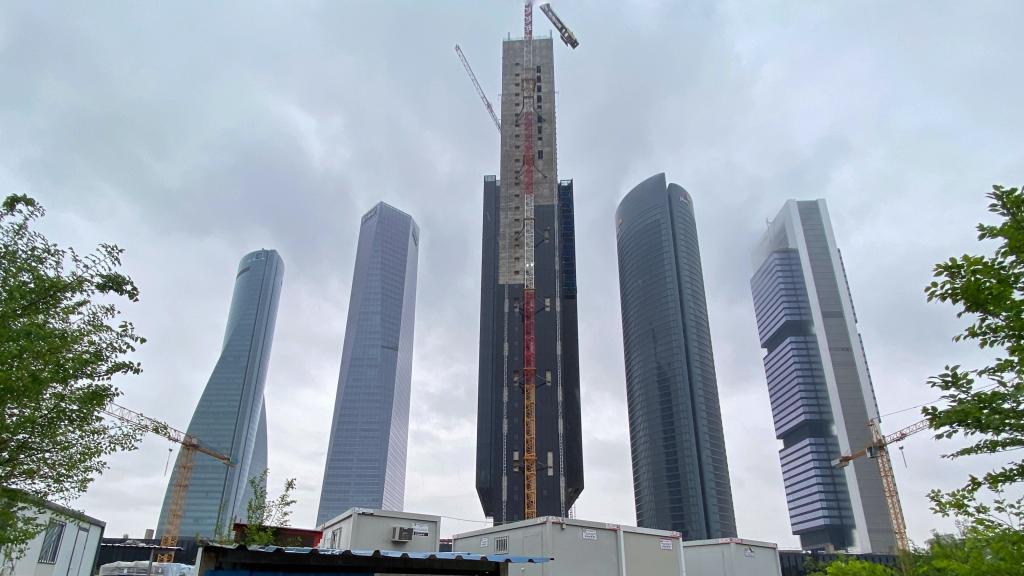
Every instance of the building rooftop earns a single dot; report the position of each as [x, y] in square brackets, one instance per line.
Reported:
[566, 522]
[384, 513]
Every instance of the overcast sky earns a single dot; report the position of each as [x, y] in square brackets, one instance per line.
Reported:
[192, 132]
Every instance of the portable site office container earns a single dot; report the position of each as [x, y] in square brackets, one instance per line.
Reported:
[580, 548]
[67, 545]
[732, 557]
[363, 529]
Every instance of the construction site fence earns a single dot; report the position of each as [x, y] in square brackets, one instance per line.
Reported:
[795, 562]
[115, 550]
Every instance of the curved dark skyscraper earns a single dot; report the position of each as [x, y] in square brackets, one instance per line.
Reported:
[680, 472]
[366, 455]
[230, 416]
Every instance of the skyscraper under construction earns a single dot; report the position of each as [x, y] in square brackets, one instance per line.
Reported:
[523, 257]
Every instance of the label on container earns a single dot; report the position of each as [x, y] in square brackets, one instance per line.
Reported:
[665, 544]
[483, 542]
[588, 534]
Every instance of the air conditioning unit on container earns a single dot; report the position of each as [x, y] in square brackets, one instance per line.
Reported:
[401, 534]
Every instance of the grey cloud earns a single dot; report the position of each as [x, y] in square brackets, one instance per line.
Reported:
[193, 133]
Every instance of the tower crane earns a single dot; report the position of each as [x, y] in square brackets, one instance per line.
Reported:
[529, 286]
[879, 450]
[479, 90]
[189, 446]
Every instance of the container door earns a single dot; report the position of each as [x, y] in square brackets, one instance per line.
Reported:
[78, 553]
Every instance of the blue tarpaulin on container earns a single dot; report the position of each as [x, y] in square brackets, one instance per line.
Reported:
[500, 558]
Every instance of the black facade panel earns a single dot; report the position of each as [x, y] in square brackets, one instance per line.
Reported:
[570, 345]
[488, 413]
[567, 239]
[500, 478]
[817, 495]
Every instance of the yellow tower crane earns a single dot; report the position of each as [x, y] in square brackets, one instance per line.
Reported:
[189, 446]
[879, 450]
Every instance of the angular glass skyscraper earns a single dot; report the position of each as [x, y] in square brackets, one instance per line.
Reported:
[680, 471]
[366, 454]
[501, 436]
[230, 417]
[818, 380]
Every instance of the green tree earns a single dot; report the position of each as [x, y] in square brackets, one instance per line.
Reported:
[853, 567]
[262, 515]
[986, 404]
[976, 552]
[61, 344]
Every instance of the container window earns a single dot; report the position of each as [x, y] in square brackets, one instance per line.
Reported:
[51, 542]
[501, 545]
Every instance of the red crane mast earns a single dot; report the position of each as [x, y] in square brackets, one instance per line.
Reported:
[529, 287]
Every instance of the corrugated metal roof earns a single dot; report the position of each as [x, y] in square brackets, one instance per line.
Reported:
[140, 546]
[36, 502]
[382, 513]
[563, 522]
[500, 558]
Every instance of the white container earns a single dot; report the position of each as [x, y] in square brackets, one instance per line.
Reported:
[67, 546]
[579, 547]
[732, 557]
[364, 529]
[145, 568]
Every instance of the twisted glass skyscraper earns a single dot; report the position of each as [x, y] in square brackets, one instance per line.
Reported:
[818, 380]
[680, 472]
[366, 454]
[230, 417]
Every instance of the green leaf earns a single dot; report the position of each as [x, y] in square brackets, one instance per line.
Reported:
[985, 404]
[61, 347]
